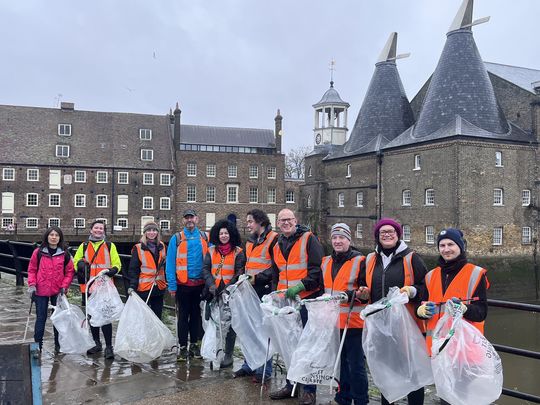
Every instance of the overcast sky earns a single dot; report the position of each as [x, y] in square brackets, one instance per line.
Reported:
[235, 62]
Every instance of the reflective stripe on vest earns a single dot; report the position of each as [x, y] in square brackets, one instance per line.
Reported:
[462, 286]
[148, 275]
[258, 257]
[223, 266]
[181, 256]
[294, 269]
[102, 260]
[346, 280]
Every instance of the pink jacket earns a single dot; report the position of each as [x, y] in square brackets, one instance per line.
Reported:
[51, 275]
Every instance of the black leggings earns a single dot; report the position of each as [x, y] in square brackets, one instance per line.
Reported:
[107, 334]
[414, 398]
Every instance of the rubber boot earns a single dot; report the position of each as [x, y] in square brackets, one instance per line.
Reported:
[229, 350]
[56, 342]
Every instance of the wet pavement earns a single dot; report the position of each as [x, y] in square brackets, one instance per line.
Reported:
[81, 379]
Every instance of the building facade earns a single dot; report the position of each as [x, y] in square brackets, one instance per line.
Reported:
[462, 153]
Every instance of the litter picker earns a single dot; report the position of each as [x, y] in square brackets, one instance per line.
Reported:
[28, 318]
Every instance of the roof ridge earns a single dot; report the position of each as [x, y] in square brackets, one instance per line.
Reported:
[222, 127]
[512, 66]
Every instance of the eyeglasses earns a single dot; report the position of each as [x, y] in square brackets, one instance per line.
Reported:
[286, 219]
[387, 233]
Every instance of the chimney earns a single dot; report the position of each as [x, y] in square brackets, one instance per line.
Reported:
[535, 110]
[278, 132]
[64, 106]
[176, 138]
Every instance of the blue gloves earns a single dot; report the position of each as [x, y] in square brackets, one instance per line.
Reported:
[426, 310]
[457, 302]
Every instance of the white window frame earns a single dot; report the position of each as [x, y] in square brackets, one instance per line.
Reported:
[498, 159]
[525, 198]
[105, 221]
[165, 203]
[165, 225]
[148, 179]
[102, 197]
[210, 194]
[406, 198]
[82, 204]
[8, 202]
[211, 170]
[253, 195]
[79, 173]
[232, 171]
[360, 199]
[5, 175]
[406, 233]
[349, 172]
[359, 231]
[289, 197]
[162, 181]
[55, 179]
[191, 170]
[102, 176]
[28, 195]
[253, 171]
[271, 195]
[6, 221]
[191, 193]
[430, 234]
[147, 155]
[62, 151]
[230, 187]
[271, 171]
[341, 200]
[64, 129]
[122, 204]
[53, 196]
[148, 203]
[32, 174]
[31, 226]
[123, 178]
[310, 172]
[429, 199]
[417, 162]
[308, 201]
[498, 197]
[145, 134]
[526, 235]
[497, 236]
[79, 223]
[122, 222]
[54, 222]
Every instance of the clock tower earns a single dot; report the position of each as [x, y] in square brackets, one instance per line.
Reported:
[330, 121]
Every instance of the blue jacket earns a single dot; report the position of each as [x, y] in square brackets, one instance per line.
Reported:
[194, 256]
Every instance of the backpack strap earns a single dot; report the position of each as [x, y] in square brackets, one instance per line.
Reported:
[178, 238]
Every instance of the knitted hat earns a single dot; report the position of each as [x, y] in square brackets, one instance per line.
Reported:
[151, 225]
[387, 221]
[341, 229]
[455, 235]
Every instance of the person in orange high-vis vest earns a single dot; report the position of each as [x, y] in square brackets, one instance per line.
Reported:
[223, 264]
[259, 251]
[454, 279]
[297, 259]
[394, 264]
[341, 271]
[102, 258]
[146, 271]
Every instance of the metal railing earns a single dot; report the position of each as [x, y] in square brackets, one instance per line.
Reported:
[20, 266]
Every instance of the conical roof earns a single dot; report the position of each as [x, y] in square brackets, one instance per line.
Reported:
[460, 85]
[331, 97]
[385, 112]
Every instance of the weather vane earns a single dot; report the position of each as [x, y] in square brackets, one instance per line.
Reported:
[332, 68]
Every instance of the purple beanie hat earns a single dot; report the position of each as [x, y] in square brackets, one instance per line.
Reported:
[387, 221]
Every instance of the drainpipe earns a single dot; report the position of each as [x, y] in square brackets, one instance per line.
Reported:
[379, 183]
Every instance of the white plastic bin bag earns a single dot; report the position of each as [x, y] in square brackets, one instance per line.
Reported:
[466, 367]
[141, 336]
[104, 304]
[394, 347]
[314, 358]
[282, 323]
[216, 328]
[73, 334]
[246, 321]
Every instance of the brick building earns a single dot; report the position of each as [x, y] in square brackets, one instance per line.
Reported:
[67, 167]
[462, 153]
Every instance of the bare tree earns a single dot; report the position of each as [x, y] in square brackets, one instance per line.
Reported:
[294, 162]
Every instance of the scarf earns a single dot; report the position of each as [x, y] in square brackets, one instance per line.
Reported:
[224, 249]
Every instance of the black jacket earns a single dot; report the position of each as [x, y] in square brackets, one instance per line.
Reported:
[239, 264]
[314, 280]
[339, 259]
[263, 280]
[393, 275]
[134, 269]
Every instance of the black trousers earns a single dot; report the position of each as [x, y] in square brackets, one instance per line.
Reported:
[414, 398]
[188, 299]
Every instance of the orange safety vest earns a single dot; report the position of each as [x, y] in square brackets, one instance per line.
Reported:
[101, 262]
[181, 256]
[462, 286]
[258, 257]
[223, 266]
[408, 277]
[295, 268]
[346, 279]
[149, 272]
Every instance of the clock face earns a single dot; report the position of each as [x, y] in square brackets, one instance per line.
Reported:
[318, 139]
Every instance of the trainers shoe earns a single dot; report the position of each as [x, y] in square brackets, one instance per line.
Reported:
[109, 353]
[184, 354]
[307, 398]
[94, 350]
[195, 351]
[283, 393]
[241, 373]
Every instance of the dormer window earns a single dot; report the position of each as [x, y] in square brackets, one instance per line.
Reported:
[62, 150]
[147, 154]
[64, 129]
[145, 134]
[417, 162]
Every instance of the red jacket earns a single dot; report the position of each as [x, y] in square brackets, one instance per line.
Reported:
[51, 275]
